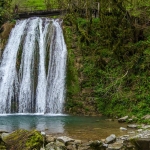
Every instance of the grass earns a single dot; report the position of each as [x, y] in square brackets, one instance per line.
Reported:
[34, 4]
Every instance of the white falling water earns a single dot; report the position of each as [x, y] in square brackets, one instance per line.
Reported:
[32, 69]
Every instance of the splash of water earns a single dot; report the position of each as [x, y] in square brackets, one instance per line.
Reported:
[32, 69]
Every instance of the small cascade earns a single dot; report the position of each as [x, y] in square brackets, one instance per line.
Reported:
[32, 69]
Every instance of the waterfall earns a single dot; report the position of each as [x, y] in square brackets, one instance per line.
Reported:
[32, 68]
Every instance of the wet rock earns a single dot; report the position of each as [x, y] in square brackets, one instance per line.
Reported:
[105, 145]
[124, 137]
[65, 139]
[146, 126]
[84, 148]
[71, 147]
[4, 135]
[2, 144]
[130, 120]
[77, 141]
[123, 129]
[131, 132]
[50, 138]
[123, 119]
[135, 137]
[139, 130]
[110, 139]
[2, 131]
[96, 144]
[132, 126]
[55, 146]
[146, 117]
[59, 144]
[115, 146]
[50, 146]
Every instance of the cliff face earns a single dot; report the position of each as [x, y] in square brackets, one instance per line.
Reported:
[80, 97]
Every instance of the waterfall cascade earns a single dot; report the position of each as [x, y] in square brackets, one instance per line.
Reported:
[32, 69]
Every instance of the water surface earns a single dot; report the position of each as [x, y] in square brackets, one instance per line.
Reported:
[79, 127]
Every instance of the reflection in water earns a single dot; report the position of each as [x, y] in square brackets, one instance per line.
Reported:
[89, 128]
[28, 122]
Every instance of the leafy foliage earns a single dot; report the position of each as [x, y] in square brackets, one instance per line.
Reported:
[115, 51]
[5, 11]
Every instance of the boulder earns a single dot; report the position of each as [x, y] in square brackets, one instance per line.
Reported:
[110, 139]
[123, 119]
[115, 146]
[55, 146]
[71, 147]
[132, 126]
[24, 140]
[4, 135]
[146, 117]
[77, 141]
[65, 139]
[96, 144]
[49, 138]
[123, 129]
[2, 144]
[146, 126]
[50, 146]
[3, 131]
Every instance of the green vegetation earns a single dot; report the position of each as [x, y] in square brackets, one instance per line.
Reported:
[5, 11]
[25, 140]
[108, 56]
[115, 49]
[31, 5]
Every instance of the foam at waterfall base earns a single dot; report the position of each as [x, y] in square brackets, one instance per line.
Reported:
[33, 114]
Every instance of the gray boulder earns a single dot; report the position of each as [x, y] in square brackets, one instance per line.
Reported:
[110, 139]
[65, 139]
[132, 126]
[123, 119]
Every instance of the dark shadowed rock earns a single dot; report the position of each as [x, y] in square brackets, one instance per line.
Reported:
[142, 143]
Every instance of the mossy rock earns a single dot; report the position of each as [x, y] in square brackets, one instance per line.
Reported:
[2, 145]
[24, 140]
